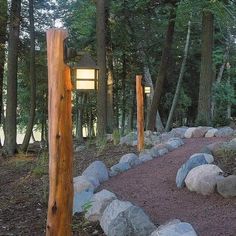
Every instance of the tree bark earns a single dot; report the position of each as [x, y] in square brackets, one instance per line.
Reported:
[3, 38]
[179, 84]
[162, 71]
[123, 91]
[101, 57]
[14, 28]
[206, 74]
[30, 125]
[59, 218]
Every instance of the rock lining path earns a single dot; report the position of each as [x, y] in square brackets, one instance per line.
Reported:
[152, 187]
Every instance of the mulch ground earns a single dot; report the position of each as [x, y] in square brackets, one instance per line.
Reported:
[152, 187]
[24, 192]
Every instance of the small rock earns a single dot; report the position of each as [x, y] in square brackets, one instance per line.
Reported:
[178, 132]
[130, 158]
[145, 157]
[227, 186]
[175, 229]
[111, 212]
[119, 168]
[99, 202]
[211, 133]
[189, 132]
[131, 222]
[81, 183]
[224, 132]
[97, 170]
[202, 179]
[162, 151]
[154, 152]
[81, 199]
[80, 148]
[129, 138]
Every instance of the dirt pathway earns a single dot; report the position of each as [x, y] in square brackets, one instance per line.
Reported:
[152, 187]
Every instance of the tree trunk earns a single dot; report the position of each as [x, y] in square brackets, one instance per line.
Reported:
[162, 71]
[30, 125]
[79, 117]
[101, 56]
[3, 29]
[59, 218]
[206, 74]
[14, 28]
[123, 107]
[179, 84]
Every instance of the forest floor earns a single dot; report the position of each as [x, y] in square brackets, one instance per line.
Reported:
[24, 192]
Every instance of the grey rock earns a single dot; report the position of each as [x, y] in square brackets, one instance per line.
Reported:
[81, 199]
[186, 167]
[189, 132]
[145, 157]
[131, 222]
[200, 131]
[99, 202]
[154, 152]
[129, 138]
[175, 229]
[80, 148]
[208, 157]
[81, 183]
[97, 170]
[119, 168]
[227, 186]
[211, 133]
[130, 158]
[163, 151]
[111, 212]
[175, 142]
[178, 132]
[224, 132]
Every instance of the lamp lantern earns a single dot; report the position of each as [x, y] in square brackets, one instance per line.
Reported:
[147, 89]
[86, 76]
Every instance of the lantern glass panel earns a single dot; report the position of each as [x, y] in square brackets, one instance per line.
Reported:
[85, 74]
[85, 84]
[147, 90]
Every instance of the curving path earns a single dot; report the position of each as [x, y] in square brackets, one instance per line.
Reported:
[152, 187]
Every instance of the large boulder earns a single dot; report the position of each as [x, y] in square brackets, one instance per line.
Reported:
[211, 133]
[178, 132]
[99, 202]
[97, 170]
[189, 132]
[131, 222]
[81, 183]
[202, 179]
[227, 186]
[130, 158]
[200, 131]
[81, 199]
[111, 212]
[175, 228]
[186, 167]
[119, 168]
[224, 132]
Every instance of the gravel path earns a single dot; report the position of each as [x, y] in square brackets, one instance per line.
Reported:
[152, 187]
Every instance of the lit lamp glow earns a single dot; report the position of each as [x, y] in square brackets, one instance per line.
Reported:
[147, 89]
[86, 74]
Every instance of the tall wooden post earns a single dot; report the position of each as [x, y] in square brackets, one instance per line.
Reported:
[60, 201]
[140, 119]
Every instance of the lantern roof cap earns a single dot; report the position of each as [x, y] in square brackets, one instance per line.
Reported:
[87, 62]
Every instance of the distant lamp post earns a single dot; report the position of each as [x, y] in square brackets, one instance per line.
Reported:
[86, 74]
[147, 89]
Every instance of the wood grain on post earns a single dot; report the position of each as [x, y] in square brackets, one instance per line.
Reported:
[140, 118]
[60, 201]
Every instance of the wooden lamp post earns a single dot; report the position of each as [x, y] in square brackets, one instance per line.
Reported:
[60, 203]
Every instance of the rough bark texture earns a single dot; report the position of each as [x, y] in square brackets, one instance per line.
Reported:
[162, 71]
[206, 74]
[3, 28]
[10, 134]
[140, 118]
[101, 58]
[123, 91]
[179, 84]
[59, 218]
[30, 125]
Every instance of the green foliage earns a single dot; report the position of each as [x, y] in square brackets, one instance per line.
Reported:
[41, 167]
[116, 136]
